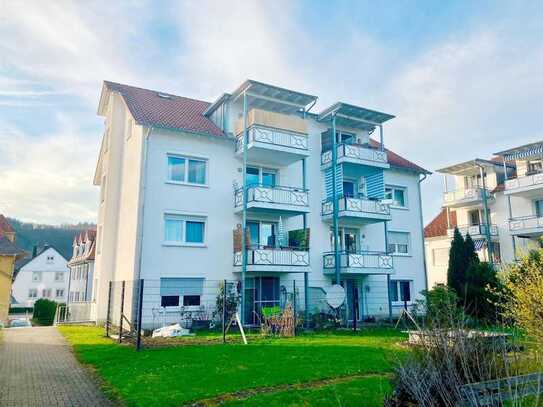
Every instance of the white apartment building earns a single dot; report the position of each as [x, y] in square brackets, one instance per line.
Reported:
[81, 265]
[173, 173]
[43, 276]
[497, 201]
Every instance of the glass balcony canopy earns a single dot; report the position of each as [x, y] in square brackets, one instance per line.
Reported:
[354, 116]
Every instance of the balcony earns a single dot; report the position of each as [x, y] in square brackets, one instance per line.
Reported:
[277, 199]
[360, 263]
[273, 138]
[357, 154]
[528, 185]
[358, 210]
[465, 197]
[529, 226]
[475, 231]
[279, 259]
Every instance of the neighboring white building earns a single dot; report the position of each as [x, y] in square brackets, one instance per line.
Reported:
[170, 172]
[81, 265]
[44, 276]
[492, 200]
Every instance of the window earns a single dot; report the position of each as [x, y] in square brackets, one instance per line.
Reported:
[169, 301]
[348, 189]
[46, 293]
[191, 300]
[261, 176]
[398, 243]
[59, 293]
[539, 208]
[184, 229]
[36, 276]
[400, 290]
[398, 196]
[440, 257]
[32, 293]
[535, 166]
[59, 276]
[262, 233]
[187, 170]
[474, 217]
[50, 259]
[347, 138]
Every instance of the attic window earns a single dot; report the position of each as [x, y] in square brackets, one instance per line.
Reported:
[164, 95]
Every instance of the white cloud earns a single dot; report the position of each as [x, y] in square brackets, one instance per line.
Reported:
[48, 179]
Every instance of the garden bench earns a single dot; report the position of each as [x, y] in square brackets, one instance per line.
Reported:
[495, 392]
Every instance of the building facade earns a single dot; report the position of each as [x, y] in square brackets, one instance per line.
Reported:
[43, 276]
[9, 254]
[255, 188]
[81, 265]
[496, 201]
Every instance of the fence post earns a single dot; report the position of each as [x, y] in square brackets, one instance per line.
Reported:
[122, 312]
[306, 300]
[108, 316]
[224, 313]
[355, 305]
[140, 313]
[294, 303]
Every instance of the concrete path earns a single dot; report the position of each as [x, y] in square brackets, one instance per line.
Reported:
[37, 368]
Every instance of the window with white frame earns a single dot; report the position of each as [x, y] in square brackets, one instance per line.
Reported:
[398, 196]
[36, 276]
[59, 276]
[261, 176]
[59, 293]
[184, 230]
[32, 293]
[440, 256]
[46, 293]
[398, 243]
[187, 170]
[400, 291]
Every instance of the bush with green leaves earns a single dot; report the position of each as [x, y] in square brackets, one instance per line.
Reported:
[44, 311]
[439, 305]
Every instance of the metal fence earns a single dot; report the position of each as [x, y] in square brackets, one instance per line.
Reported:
[139, 308]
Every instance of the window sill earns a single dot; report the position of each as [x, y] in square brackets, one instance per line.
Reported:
[177, 244]
[187, 184]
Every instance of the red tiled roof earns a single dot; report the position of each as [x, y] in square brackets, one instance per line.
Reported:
[166, 111]
[4, 225]
[398, 161]
[438, 226]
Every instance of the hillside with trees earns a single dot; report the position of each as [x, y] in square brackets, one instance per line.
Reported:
[61, 237]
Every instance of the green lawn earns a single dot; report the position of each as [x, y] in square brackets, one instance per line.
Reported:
[177, 375]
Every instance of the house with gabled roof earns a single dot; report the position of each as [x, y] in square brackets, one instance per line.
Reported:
[192, 193]
[81, 265]
[9, 254]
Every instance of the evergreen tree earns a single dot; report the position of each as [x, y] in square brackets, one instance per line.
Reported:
[481, 292]
[471, 256]
[457, 263]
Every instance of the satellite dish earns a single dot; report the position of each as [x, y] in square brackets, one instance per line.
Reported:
[335, 296]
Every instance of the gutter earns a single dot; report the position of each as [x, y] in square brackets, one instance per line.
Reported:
[141, 211]
[424, 176]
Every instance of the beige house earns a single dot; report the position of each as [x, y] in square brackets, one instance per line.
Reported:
[9, 254]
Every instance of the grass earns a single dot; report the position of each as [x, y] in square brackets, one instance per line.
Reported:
[182, 374]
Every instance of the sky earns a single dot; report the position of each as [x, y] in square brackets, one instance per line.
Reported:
[463, 78]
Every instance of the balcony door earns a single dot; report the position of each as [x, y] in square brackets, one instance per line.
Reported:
[262, 234]
[261, 176]
[474, 217]
[348, 240]
[260, 292]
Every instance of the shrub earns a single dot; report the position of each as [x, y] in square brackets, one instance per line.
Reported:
[232, 301]
[439, 306]
[44, 311]
[524, 294]
[482, 292]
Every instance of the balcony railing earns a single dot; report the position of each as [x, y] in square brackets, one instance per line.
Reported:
[523, 182]
[474, 230]
[274, 256]
[467, 194]
[362, 260]
[357, 152]
[360, 205]
[298, 197]
[525, 223]
[274, 137]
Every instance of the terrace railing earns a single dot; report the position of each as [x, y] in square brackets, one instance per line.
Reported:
[525, 222]
[360, 205]
[273, 136]
[298, 197]
[467, 194]
[474, 230]
[356, 151]
[362, 260]
[274, 256]
[525, 181]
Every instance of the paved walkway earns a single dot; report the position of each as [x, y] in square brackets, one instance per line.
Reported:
[37, 368]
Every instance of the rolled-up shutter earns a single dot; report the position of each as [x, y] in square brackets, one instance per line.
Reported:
[181, 286]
